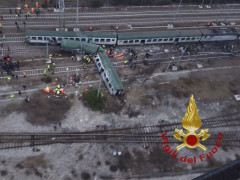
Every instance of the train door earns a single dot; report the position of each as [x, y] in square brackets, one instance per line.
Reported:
[176, 40]
[90, 40]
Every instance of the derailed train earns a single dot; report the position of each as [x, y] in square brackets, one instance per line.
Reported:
[136, 38]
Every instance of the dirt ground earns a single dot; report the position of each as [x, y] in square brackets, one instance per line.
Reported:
[151, 96]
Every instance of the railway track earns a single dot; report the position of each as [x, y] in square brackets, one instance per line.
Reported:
[122, 14]
[139, 21]
[145, 135]
[80, 68]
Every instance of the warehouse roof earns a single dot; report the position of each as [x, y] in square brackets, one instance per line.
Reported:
[219, 31]
[159, 34]
[72, 34]
[72, 44]
[108, 66]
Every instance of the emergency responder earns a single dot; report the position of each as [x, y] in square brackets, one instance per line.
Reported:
[117, 28]
[125, 62]
[58, 86]
[90, 28]
[12, 96]
[49, 67]
[19, 93]
[45, 72]
[72, 57]
[28, 14]
[53, 65]
[9, 78]
[108, 52]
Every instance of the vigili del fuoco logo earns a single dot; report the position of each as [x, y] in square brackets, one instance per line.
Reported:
[192, 123]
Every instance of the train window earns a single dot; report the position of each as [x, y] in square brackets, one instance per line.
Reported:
[136, 41]
[125, 42]
[165, 39]
[159, 40]
[107, 79]
[183, 39]
[113, 39]
[104, 74]
[107, 40]
[187, 39]
[149, 40]
[71, 38]
[193, 38]
[96, 40]
[154, 40]
[109, 85]
[131, 41]
[65, 38]
[102, 40]
[171, 39]
[34, 38]
[77, 39]
[59, 39]
[83, 39]
[99, 64]
[40, 38]
[97, 60]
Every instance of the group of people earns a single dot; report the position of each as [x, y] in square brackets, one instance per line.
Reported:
[50, 68]
[58, 90]
[9, 66]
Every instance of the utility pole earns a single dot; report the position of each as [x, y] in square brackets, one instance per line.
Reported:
[99, 86]
[176, 11]
[67, 74]
[61, 7]
[181, 56]
[230, 11]
[170, 63]
[202, 4]
[46, 50]
[210, 2]
[77, 14]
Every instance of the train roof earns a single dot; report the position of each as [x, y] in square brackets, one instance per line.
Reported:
[71, 34]
[219, 31]
[159, 34]
[72, 44]
[93, 48]
[108, 66]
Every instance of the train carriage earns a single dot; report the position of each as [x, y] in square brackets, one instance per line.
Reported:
[158, 37]
[219, 34]
[55, 37]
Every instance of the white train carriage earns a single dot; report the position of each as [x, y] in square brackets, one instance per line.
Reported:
[158, 37]
[55, 37]
[219, 34]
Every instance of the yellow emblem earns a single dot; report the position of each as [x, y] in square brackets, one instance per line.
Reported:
[191, 122]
